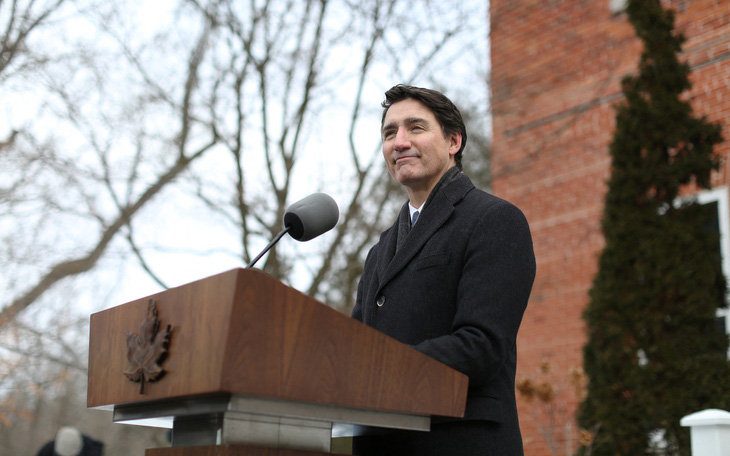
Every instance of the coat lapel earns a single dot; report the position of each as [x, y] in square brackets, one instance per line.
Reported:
[389, 244]
[437, 210]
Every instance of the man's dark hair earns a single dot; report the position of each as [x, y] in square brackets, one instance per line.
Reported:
[443, 109]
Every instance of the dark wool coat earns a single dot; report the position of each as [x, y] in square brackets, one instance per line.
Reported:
[455, 287]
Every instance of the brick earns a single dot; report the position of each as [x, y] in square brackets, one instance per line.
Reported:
[556, 73]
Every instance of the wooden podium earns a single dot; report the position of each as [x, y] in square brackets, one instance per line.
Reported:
[254, 367]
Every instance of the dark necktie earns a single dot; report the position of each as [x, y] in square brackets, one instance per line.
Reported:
[414, 218]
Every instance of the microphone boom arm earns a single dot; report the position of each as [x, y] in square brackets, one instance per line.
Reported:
[269, 246]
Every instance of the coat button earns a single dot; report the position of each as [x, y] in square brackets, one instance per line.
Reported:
[380, 301]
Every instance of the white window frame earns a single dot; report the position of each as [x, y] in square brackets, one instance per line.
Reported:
[617, 6]
[720, 195]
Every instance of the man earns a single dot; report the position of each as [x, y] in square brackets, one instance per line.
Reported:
[454, 285]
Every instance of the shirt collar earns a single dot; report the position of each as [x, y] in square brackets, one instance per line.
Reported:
[414, 209]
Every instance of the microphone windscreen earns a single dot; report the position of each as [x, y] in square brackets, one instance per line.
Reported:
[314, 215]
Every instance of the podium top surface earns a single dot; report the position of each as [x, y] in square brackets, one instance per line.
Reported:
[243, 332]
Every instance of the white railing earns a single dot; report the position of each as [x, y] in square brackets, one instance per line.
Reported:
[709, 431]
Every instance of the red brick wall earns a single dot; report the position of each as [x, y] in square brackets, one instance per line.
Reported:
[556, 72]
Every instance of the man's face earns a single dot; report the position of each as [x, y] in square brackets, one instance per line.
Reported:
[414, 147]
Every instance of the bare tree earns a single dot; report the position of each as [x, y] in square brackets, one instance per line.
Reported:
[103, 188]
[20, 20]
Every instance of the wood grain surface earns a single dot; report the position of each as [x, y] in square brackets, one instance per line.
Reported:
[243, 332]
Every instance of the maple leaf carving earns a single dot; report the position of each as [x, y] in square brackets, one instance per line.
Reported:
[146, 351]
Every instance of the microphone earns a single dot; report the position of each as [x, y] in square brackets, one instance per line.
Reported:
[311, 216]
[306, 219]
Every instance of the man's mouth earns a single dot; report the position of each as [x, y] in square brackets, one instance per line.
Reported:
[403, 157]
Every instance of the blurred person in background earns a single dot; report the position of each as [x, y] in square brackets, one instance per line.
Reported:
[70, 441]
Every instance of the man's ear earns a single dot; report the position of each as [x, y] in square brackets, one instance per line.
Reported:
[454, 143]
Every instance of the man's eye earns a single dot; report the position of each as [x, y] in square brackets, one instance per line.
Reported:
[388, 133]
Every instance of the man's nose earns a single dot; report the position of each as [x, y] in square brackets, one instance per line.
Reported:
[402, 141]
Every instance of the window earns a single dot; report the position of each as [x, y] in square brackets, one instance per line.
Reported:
[717, 199]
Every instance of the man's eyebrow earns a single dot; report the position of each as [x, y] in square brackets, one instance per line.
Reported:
[407, 121]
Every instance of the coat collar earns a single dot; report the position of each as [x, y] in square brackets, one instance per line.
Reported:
[397, 251]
